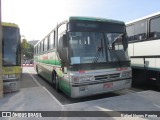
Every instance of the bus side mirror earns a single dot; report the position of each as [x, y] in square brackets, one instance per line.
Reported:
[125, 42]
[64, 40]
[63, 48]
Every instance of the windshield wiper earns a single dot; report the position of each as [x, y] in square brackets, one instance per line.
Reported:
[99, 49]
[113, 51]
[117, 38]
[97, 54]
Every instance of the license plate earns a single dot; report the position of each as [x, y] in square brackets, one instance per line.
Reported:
[83, 88]
[108, 85]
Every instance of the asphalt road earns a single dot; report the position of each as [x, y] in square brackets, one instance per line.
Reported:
[31, 79]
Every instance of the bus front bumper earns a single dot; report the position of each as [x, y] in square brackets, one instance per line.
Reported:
[11, 85]
[98, 88]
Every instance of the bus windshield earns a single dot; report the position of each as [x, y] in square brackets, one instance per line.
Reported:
[96, 47]
[11, 47]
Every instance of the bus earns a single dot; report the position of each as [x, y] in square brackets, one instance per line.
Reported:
[11, 57]
[84, 56]
[1, 81]
[144, 50]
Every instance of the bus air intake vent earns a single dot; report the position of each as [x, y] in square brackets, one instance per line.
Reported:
[108, 76]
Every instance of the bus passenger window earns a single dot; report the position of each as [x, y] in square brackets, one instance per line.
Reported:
[45, 44]
[140, 30]
[130, 32]
[51, 41]
[48, 42]
[154, 28]
[42, 46]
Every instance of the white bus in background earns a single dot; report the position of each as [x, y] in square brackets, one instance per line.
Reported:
[144, 49]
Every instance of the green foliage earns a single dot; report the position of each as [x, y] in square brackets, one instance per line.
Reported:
[27, 50]
[24, 44]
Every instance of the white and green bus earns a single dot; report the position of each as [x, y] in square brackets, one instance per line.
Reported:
[84, 56]
[144, 49]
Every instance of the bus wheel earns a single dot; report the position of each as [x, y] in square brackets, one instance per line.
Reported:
[57, 85]
[158, 81]
[55, 82]
[37, 70]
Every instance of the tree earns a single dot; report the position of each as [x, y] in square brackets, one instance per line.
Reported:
[27, 49]
[24, 44]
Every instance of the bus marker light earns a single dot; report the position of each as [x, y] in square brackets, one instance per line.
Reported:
[81, 71]
[127, 81]
[11, 75]
[152, 79]
[75, 79]
[120, 69]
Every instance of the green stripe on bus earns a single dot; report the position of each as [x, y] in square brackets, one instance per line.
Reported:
[50, 62]
[64, 86]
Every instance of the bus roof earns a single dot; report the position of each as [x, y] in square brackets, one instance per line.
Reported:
[142, 18]
[9, 24]
[94, 19]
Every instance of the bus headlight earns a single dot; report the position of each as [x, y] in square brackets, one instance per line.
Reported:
[76, 79]
[5, 76]
[127, 74]
[85, 79]
[8, 76]
[11, 75]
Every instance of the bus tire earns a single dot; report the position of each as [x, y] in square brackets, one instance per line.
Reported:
[37, 70]
[158, 81]
[55, 82]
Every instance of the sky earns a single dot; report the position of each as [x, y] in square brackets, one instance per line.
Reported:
[36, 18]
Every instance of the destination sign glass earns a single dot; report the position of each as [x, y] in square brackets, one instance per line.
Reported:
[96, 26]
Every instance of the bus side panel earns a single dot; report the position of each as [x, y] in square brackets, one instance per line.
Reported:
[147, 48]
[51, 58]
[144, 49]
[57, 62]
[44, 68]
[64, 85]
[39, 65]
[131, 49]
[46, 72]
[146, 67]
[137, 63]
[157, 61]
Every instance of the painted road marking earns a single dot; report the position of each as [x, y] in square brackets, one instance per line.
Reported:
[35, 80]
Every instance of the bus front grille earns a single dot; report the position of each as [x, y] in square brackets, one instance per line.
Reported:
[108, 76]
